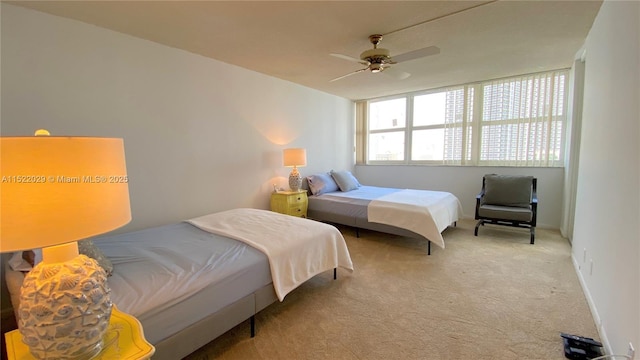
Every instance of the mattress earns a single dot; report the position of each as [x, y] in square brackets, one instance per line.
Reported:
[405, 212]
[350, 203]
[179, 285]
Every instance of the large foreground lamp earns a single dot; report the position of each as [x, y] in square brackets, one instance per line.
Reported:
[293, 158]
[54, 191]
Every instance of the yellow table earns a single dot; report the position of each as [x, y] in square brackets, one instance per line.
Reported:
[290, 203]
[124, 340]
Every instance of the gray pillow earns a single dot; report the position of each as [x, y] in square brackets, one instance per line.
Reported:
[321, 183]
[507, 190]
[345, 180]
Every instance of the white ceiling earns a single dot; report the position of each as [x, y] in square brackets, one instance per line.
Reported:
[292, 40]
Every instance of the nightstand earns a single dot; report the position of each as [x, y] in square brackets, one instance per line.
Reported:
[123, 340]
[290, 203]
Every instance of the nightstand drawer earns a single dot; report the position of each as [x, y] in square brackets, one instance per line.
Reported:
[299, 210]
[290, 203]
[297, 200]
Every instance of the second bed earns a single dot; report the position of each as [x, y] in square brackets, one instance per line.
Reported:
[422, 214]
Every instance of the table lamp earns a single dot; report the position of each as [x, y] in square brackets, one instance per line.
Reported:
[54, 191]
[294, 157]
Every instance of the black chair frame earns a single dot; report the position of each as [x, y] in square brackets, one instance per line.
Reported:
[531, 225]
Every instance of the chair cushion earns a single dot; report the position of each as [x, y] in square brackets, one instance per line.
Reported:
[507, 190]
[512, 213]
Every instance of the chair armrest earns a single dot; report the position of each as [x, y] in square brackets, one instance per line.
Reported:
[534, 208]
[478, 198]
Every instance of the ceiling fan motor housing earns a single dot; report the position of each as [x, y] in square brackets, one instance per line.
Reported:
[377, 59]
[378, 55]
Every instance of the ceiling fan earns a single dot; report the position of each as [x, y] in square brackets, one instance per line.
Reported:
[378, 59]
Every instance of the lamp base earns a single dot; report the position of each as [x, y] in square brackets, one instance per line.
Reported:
[295, 180]
[65, 309]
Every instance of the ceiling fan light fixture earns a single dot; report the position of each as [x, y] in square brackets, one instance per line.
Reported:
[376, 68]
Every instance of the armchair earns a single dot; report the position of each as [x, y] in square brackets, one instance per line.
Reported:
[507, 200]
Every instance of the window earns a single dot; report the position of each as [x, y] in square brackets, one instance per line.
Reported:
[517, 121]
[387, 125]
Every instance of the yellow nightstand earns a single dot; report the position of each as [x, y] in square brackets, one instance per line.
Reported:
[290, 203]
[124, 340]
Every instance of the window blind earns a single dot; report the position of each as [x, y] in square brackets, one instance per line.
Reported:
[522, 120]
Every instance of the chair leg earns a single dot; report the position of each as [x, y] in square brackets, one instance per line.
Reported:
[533, 235]
[475, 232]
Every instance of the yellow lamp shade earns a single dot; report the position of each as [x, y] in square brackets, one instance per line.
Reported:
[294, 157]
[56, 190]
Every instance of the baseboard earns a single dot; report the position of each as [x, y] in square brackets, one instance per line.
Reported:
[538, 225]
[594, 311]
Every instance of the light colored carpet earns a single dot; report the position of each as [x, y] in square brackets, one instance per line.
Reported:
[494, 296]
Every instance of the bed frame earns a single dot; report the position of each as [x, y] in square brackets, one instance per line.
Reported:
[204, 331]
[207, 329]
[200, 333]
[362, 223]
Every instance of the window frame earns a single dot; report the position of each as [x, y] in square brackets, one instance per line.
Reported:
[368, 131]
[471, 120]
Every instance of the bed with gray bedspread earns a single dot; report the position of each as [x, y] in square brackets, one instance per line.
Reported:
[185, 285]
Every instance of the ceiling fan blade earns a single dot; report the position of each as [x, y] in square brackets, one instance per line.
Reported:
[349, 58]
[395, 73]
[349, 74]
[416, 54]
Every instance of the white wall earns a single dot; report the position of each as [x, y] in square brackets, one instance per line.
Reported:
[466, 182]
[608, 201]
[200, 135]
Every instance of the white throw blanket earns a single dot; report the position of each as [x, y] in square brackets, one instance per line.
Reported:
[297, 248]
[424, 212]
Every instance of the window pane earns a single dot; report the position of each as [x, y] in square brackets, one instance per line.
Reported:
[428, 144]
[528, 97]
[429, 109]
[386, 146]
[523, 120]
[438, 108]
[500, 142]
[533, 142]
[388, 114]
